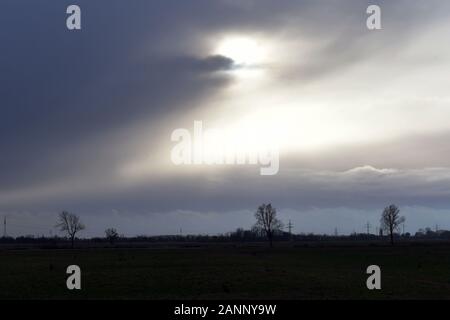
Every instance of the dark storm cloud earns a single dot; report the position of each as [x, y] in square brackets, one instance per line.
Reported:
[61, 90]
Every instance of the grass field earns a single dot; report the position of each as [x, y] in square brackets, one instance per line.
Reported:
[220, 272]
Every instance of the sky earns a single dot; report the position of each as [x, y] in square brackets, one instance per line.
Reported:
[360, 118]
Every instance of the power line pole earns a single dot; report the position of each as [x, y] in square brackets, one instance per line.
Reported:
[290, 226]
[368, 227]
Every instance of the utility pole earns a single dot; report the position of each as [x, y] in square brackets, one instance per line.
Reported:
[368, 227]
[290, 226]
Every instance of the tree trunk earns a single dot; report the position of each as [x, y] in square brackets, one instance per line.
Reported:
[269, 235]
[392, 237]
[73, 240]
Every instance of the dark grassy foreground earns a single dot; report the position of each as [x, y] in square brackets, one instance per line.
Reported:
[221, 272]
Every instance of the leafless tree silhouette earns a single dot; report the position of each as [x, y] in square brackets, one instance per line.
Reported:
[69, 223]
[111, 235]
[267, 222]
[391, 220]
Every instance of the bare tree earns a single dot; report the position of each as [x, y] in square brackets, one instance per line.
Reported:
[267, 222]
[112, 235]
[71, 224]
[391, 220]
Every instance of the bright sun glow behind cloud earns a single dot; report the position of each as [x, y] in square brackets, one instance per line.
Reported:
[244, 51]
[266, 112]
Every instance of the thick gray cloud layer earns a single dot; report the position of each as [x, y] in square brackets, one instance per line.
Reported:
[78, 106]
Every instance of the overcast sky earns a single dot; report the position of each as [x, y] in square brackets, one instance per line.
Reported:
[361, 117]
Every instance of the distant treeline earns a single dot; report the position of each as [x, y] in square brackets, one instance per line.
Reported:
[240, 235]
